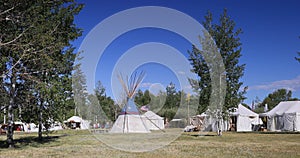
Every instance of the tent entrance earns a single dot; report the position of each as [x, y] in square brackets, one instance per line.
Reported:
[232, 123]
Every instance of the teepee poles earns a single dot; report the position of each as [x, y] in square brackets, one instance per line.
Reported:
[154, 124]
[130, 88]
[132, 83]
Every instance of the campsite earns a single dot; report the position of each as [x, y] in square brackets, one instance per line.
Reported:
[115, 78]
[83, 144]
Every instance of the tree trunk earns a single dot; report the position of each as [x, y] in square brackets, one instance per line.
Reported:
[10, 132]
[10, 140]
[40, 134]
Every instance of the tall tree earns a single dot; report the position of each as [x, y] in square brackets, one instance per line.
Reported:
[35, 39]
[203, 84]
[80, 92]
[226, 38]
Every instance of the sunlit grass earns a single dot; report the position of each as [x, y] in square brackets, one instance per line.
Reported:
[71, 143]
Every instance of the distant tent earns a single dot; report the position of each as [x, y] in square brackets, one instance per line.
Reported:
[210, 122]
[20, 126]
[77, 122]
[153, 121]
[284, 117]
[245, 118]
[130, 120]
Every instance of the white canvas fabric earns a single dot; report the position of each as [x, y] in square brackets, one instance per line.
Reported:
[75, 119]
[129, 124]
[153, 121]
[297, 122]
[84, 124]
[245, 118]
[284, 117]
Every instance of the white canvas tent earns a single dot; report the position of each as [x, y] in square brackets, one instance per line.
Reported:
[245, 118]
[284, 117]
[153, 121]
[130, 120]
[210, 122]
[79, 122]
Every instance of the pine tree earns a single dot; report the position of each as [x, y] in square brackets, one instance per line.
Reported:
[229, 46]
[36, 53]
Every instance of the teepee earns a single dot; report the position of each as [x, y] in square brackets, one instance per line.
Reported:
[130, 120]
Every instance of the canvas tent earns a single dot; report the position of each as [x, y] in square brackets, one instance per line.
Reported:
[77, 122]
[245, 118]
[130, 120]
[207, 122]
[153, 121]
[284, 117]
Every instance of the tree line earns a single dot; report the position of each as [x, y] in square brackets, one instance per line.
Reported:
[37, 68]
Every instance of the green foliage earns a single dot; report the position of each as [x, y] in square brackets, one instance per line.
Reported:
[259, 109]
[106, 108]
[276, 97]
[157, 101]
[37, 58]
[142, 98]
[226, 37]
[203, 85]
[172, 102]
[165, 104]
[80, 92]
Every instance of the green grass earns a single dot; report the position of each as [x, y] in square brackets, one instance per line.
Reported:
[71, 143]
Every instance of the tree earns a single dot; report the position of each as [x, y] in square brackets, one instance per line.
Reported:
[172, 102]
[203, 85]
[107, 105]
[142, 98]
[276, 97]
[80, 92]
[227, 40]
[157, 101]
[36, 53]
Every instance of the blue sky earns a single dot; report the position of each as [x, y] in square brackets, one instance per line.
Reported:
[269, 41]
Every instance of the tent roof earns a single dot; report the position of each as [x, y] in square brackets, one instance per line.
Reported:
[153, 116]
[242, 110]
[130, 108]
[75, 119]
[284, 107]
[18, 122]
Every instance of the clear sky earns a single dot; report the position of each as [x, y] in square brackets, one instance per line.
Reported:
[270, 41]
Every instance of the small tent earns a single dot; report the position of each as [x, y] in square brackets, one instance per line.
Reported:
[130, 120]
[284, 117]
[245, 118]
[77, 122]
[153, 121]
[209, 121]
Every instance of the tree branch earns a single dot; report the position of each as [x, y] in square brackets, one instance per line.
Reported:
[1, 13]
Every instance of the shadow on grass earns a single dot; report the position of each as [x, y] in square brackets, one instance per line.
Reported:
[203, 135]
[31, 141]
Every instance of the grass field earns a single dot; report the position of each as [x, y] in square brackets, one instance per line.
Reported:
[70, 143]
